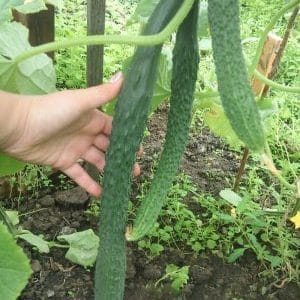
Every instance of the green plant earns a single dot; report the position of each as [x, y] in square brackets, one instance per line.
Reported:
[178, 276]
[185, 67]
[14, 265]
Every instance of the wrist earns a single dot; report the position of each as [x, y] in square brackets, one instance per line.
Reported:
[13, 114]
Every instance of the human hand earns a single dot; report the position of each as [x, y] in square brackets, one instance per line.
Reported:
[62, 128]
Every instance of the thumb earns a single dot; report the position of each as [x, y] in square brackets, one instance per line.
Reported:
[96, 96]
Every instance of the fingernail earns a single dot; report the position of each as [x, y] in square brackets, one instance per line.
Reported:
[116, 77]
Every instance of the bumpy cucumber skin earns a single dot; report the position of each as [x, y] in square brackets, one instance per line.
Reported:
[128, 127]
[184, 76]
[233, 83]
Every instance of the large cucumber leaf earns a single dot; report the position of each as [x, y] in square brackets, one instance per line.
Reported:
[143, 11]
[32, 76]
[162, 88]
[14, 267]
[22, 6]
[217, 121]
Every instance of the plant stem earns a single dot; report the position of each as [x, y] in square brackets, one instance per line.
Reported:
[275, 85]
[149, 40]
[241, 170]
[268, 28]
[3, 217]
[285, 39]
[267, 160]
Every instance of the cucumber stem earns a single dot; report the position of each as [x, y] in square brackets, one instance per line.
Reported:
[275, 85]
[149, 40]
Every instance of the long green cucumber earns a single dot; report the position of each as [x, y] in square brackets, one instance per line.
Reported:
[128, 127]
[184, 76]
[233, 83]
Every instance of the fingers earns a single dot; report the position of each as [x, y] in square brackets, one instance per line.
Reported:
[79, 175]
[136, 170]
[96, 96]
[96, 157]
[101, 142]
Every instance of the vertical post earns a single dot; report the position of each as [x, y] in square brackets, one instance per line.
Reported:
[41, 26]
[266, 62]
[95, 25]
[95, 55]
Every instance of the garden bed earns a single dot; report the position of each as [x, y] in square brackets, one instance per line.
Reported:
[211, 166]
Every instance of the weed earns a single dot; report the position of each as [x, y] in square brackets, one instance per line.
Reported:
[178, 277]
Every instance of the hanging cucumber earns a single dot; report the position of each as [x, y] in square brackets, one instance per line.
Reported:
[233, 83]
[184, 76]
[128, 127]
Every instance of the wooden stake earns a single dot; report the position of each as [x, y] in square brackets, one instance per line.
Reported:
[41, 26]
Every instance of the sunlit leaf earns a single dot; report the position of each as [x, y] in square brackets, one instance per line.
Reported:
[32, 76]
[231, 197]
[219, 124]
[31, 6]
[22, 6]
[5, 9]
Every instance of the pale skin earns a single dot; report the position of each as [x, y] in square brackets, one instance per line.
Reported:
[60, 129]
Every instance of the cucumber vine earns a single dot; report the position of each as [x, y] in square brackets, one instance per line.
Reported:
[140, 40]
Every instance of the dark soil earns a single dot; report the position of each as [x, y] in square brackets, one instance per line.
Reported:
[212, 167]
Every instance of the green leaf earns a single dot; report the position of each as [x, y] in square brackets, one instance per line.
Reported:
[231, 197]
[14, 267]
[5, 9]
[32, 76]
[219, 124]
[13, 215]
[225, 217]
[162, 88]
[143, 11]
[203, 27]
[236, 254]
[83, 247]
[30, 7]
[8, 165]
[267, 107]
[171, 268]
[205, 44]
[35, 240]
[56, 3]
[156, 248]
[274, 260]
[211, 244]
